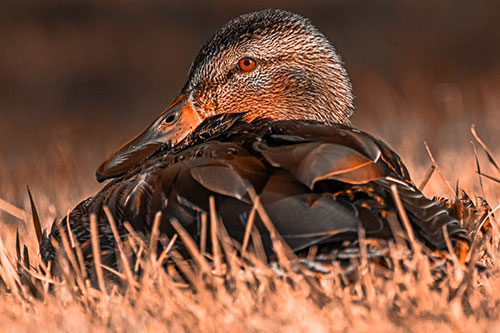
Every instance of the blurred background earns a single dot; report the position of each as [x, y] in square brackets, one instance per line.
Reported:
[79, 78]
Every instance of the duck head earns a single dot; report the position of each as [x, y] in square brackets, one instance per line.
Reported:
[270, 63]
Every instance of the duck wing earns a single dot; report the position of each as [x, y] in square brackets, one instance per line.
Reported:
[355, 167]
[318, 183]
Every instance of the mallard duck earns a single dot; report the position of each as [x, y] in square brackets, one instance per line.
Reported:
[266, 108]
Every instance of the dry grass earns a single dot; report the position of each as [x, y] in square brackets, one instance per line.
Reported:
[244, 294]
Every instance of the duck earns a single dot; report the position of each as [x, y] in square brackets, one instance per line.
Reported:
[264, 116]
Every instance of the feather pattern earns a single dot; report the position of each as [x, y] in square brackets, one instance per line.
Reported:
[319, 184]
[279, 129]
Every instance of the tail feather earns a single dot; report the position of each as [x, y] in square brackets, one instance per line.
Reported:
[427, 215]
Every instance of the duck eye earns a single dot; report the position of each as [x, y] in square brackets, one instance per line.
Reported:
[246, 64]
[170, 118]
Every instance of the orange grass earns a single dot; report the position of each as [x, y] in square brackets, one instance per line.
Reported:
[244, 293]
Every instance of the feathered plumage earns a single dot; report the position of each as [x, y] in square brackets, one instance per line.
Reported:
[280, 129]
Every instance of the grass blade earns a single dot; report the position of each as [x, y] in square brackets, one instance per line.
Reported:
[12, 210]
[248, 229]
[427, 177]
[437, 168]
[18, 245]
[203, 234]
[404, 219]
[190, 245]
[488, 152]
[119, 245]
[96, 252]
[216, 253]
[495, 179]
[36, 219]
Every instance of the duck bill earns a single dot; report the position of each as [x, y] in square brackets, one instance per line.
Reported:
[173, 125]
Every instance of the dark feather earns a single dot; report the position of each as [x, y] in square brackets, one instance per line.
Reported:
[319, 184]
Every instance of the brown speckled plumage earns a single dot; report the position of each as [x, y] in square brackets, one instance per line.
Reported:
[298, 76]
[282, 129]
